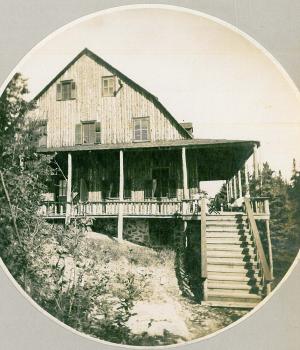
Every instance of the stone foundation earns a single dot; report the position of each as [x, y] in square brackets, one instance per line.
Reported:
[136, 231]
[151, 232]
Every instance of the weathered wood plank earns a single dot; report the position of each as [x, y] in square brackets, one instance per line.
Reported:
[114, 113]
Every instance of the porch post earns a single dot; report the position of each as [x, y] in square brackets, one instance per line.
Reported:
[234, 187]
[227, 192]
[255, 161]
[240, 184]
[230, 189]
[247, 194]
[185, 175]
[69, 190]
[121, 198]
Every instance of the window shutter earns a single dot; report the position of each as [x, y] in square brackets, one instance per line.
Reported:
[58, 92]
[97, 132]
[78, 134]
[73, 90]
[92, 133]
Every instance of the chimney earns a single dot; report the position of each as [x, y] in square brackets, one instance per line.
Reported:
[188, 127]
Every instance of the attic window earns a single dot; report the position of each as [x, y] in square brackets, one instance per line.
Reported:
[41, 132]
[66, 90]
[141, 129]
[108, 86]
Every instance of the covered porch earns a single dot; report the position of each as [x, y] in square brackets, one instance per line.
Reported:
[159, 179]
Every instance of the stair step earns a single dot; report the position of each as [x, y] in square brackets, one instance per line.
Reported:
[232, 277]
[227, 217]
[231, 269]
[222, 234]
[234, 304]
[224, 254]
[231, 229]
[229, 248]
[230, 285]
[227, 223]
[228, 240]
[230, 261]
[232, 294]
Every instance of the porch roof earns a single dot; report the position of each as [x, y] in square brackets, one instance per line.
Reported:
[188, 143]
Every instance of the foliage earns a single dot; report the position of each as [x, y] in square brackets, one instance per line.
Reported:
[23, 177]
[284, 216]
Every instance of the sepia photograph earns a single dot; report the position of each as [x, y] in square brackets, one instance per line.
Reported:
[149, 175]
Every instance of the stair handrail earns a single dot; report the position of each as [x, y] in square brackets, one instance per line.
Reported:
[260, 250]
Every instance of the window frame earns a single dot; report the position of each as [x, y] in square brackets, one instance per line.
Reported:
[71, 93]
[108, 78]
[62, 188]
[89, 123]
[141, 119]
[94, 136]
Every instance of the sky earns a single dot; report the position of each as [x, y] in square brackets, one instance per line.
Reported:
[202, 71]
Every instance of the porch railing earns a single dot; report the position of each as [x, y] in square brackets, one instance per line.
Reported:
[260, 205]
[130, 208]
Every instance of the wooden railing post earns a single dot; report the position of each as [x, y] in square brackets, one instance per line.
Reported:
[121, 197]
[69, 190]
[203, 248]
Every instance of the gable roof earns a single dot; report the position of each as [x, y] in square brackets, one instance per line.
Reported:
[123, 77]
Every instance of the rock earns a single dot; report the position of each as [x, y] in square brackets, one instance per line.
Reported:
[155, 319]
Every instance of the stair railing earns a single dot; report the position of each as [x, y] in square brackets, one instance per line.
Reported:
[265, 269]
[203, 248]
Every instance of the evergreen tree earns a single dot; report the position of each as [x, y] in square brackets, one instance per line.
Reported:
[294, 197]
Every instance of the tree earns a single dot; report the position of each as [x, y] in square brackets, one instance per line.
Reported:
[23, 177]
[294, 197]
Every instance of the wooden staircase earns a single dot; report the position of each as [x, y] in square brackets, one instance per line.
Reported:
[233, 275]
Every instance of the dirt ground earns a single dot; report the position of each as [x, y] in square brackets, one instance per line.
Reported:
[161, 311]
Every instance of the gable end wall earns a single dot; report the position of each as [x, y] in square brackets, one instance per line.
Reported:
[114, 113]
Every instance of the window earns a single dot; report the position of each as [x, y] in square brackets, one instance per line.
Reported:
[66, 90]
[41, 132]
[88, 133]
[141, 129]
[62, 188]
[108, 86]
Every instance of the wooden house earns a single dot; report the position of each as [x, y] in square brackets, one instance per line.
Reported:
[124, 159]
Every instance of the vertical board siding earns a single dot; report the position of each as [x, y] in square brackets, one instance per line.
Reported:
[114, 113]
[94, 167]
